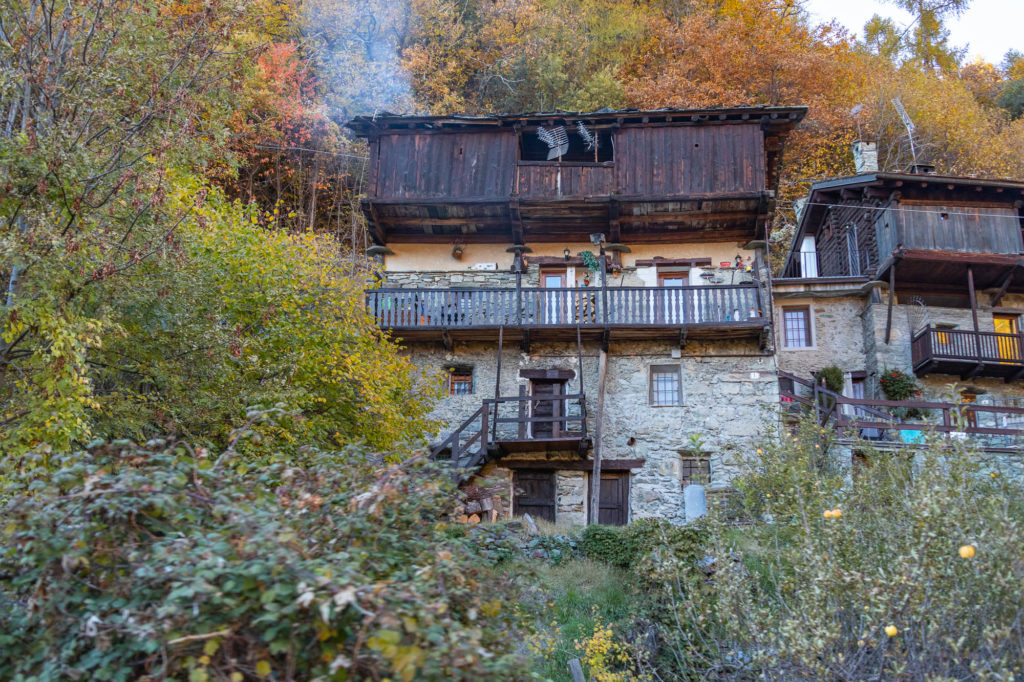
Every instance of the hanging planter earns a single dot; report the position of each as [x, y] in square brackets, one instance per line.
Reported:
[592, 262]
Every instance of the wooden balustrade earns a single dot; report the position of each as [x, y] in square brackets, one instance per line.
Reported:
[855, 415]
[568, 307]
[968, 353]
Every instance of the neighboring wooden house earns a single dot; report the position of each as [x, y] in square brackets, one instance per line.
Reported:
[554, 263]
[913, 272]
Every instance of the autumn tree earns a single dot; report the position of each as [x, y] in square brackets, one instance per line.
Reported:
[119, 314]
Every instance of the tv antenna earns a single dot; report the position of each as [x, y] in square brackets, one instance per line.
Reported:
[908, 123]
[590, 139]
[556, 139]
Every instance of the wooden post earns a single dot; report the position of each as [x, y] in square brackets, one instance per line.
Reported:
[595, 482]
[974, 312]
[497, 384]
[576, 670]
[892, 296]
[604, 284]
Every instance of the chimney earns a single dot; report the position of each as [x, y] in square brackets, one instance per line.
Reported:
[865, 157]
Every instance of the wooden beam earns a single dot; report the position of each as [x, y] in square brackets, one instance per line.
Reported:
[572, 464]
[892, 296]
[517, 221]
[998, 296]
[974, 299]
[595, 476]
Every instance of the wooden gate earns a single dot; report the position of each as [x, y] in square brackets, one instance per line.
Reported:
[534, 494]
[614, 503]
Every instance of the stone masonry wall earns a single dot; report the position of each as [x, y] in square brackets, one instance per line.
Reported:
[726, 389]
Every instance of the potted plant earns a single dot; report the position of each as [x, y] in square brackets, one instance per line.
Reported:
[897, 385]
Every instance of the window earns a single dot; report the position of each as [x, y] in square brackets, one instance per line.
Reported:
[797, 327]
[696, 470]
[666, 386]
[576, 149]
[460, 380]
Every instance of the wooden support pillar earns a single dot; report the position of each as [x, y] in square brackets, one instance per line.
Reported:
[595, 477]
[892, 297]
[497, 384]
[974, 317]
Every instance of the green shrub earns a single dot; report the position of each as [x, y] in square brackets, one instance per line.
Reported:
[155, 562]
[834, 379]
[879, 590]
[608, 544]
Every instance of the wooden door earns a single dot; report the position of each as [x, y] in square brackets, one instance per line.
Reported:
[614, 504]
[672, 306]
[534, 494]
[547, 408]
[554, 300]
[1008, 346]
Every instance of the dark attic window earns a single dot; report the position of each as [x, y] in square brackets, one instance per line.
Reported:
[533, 148]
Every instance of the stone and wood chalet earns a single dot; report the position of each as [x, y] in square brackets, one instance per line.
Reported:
[595, 289]
[918, 273]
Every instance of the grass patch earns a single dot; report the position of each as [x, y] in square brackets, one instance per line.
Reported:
[570, 600]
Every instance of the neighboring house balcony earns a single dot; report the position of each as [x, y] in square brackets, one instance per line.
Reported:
[995, 426]
[615, 313]
[968, 353]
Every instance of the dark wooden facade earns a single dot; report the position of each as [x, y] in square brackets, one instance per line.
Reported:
[930, 227]
[673, 176]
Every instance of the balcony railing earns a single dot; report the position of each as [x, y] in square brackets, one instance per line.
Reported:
[994, 427]
[588, 307]
[967, 352]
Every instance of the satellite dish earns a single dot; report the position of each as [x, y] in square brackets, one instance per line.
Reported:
[556, 139]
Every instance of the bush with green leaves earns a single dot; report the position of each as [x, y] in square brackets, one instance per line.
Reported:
[907, 568]
[161, 562]
[644, 545]
[833, 378]
[606, 544]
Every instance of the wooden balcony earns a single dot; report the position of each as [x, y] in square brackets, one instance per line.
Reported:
[517, 424]
[968, 353]
[615, 313]
[995, 427]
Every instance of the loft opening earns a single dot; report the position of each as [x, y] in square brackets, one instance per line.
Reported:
[533, 147]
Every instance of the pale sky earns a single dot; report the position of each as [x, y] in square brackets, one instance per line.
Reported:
[989, 28]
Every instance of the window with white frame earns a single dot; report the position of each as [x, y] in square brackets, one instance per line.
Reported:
[796, 327]
[666, 386]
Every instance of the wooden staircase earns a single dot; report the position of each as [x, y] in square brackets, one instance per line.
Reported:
[511, 424]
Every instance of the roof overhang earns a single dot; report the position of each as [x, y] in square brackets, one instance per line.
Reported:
[921, 268]
[776, 118]
[824, 195]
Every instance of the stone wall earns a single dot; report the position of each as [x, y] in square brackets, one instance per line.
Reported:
[838, 336]
[728, 389]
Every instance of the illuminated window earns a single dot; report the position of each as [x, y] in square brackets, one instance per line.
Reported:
[666, 386]
[797, 327]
